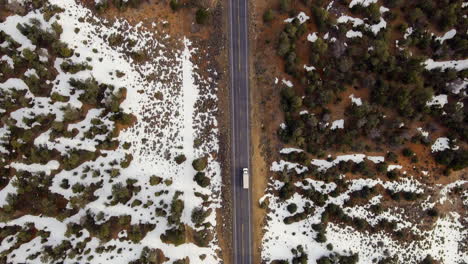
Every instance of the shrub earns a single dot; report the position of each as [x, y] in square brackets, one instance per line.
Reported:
[302, 259]
[285, 5]
[101, 5]
[177, 206]
[126, 162]
[391, 157]
[292, 208]
[432, 212]
[407, 152]
[155, 180]
[92, 91]
[393, 174]
[124, 118]
[175, 5]
[77, 188]
[57, 28]
[200, 163]
[58, 97]
[201, 179]
[69, 66]
[321, 238]
[115, 39]
[202, 238]
[324, 260]
[174, 236]
[127, 145]
[286, 191]
[50, 11]
[411, 196]
[381, 167]
[268, 15]
[61, 49]
[428, 260]
[199, 215]
[120, 193]
[202, 16]
[453, 159]
[76, 157]
[135, 234]
[180, 159]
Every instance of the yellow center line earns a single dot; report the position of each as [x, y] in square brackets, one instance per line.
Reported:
[242, 229]
[239, 37]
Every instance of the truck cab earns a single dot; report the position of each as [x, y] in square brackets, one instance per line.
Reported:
[245, 178]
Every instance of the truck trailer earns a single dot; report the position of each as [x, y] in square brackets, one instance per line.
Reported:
[245, 178]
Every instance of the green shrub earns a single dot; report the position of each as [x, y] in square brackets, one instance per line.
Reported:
[202, 16]
[58, 97]
[391, 157]
[124, 118]
[201, 179]
[453, 159]
[127, 145]
[71, 114]
[78, 187]
[202, 238]
[268, 16]
[428, 260]
[175, 5]
[120, 194]
[76, 157]
[292, 208]
[407, 152]
[57, 28]
[432, 212]
[50, 11]
[199, 215]
[321, 238]
[101, 6]
[92, 92]
[285, 5]
[155, 180]
[177, 206]
[286, 191]
[69, 66]
[115, 39]
[61, 49]
[174, 236]
[126, 162]
[200, 163]
[393, 174]
[180, 159]
[135, 234]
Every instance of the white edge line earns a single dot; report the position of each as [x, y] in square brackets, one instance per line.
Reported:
[248, 125]
[233, 158]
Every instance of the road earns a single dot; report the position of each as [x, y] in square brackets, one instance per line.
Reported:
[240, 138]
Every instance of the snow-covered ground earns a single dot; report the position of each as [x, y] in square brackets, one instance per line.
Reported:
[168, 123]
[442, 240]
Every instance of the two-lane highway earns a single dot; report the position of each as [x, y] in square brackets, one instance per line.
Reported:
[240, 138]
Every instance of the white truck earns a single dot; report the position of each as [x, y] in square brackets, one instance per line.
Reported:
[245, 178]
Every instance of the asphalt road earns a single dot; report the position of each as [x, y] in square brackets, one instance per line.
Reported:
[240, 138]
